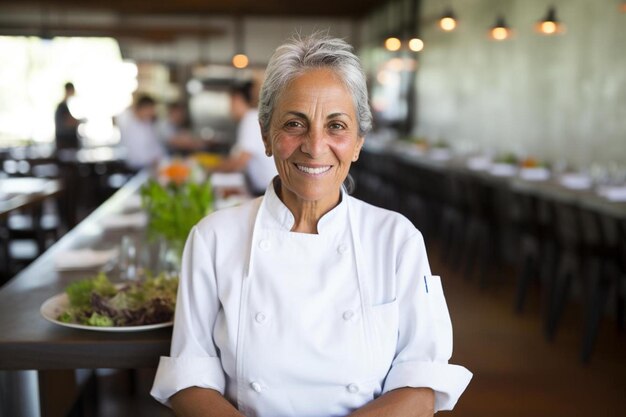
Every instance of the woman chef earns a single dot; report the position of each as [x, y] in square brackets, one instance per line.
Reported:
[307, 302]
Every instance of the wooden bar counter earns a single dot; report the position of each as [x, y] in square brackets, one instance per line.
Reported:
[29, 342]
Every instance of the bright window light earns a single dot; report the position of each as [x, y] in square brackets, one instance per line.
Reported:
[32, 75]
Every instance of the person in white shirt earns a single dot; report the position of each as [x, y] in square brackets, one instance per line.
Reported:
[248, 153]
[307, 301]
[138, 134]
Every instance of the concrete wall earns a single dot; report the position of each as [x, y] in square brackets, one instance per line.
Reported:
[560, 97]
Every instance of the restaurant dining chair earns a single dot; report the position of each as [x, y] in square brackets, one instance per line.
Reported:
[621, 287]
[29, 233]
[529, 247]
[481, 246]
[536, 262]
[567, 230]
[601, 240]
[453, 220]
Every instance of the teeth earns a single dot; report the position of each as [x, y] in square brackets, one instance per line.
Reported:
[314, 171]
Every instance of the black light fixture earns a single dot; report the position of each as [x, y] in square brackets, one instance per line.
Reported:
[550, 25]
[240, 59]
[407, 38]
[415, 43]
[500, 31]
[448, 21]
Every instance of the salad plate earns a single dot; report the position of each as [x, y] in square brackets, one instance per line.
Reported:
[56, 305]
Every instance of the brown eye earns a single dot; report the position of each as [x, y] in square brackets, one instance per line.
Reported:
[294, 124]
[336, 126]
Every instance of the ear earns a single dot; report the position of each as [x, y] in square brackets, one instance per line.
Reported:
[266, 142]
[357, 149]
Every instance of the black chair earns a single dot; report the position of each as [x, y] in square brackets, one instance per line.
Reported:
[453, 220]
[482, 237]
[537, 247]
[604, 262]
[570, 256]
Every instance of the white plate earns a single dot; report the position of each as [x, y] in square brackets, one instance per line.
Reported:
[77, 259]
[54, 306]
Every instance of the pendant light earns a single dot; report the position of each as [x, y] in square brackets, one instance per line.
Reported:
[393, 44]
[405, 38]
[414, 43]
[448, 20]
[500, 31]
[240, 59]
[550, 25]
[622, 7]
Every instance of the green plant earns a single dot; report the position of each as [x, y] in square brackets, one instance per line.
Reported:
[173, 209]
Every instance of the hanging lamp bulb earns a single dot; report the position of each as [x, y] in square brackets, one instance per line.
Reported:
[500, 31]
[416, 44]
[393, 43]
[240, 61]
[550, 25]
[448, 20]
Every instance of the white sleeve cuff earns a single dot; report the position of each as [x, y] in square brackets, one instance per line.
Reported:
[448, 381]
[175, 374]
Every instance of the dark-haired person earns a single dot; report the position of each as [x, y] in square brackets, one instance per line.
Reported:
[248, 154]
[138, 133]
[66, 125]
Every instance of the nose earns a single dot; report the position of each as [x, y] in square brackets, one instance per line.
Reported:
[314, 144]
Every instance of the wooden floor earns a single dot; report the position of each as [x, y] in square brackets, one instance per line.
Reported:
[516, 371]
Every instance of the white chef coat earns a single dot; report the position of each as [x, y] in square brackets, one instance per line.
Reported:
[293, 324]
[260, 168]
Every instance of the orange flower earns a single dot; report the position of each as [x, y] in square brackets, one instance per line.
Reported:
[176, 172]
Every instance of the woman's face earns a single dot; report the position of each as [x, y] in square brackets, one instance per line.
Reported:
[314, 137]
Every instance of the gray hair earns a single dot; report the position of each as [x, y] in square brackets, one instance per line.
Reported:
[299, 55]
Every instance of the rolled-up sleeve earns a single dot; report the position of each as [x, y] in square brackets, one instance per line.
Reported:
[425, 331]
[193, 359]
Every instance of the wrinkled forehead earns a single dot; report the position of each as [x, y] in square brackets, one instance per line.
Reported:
[319, 86]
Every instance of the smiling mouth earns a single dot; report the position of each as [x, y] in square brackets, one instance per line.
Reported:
[314, 170]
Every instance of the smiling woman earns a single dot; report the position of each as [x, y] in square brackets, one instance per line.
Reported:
[306, 301]
[314, 137]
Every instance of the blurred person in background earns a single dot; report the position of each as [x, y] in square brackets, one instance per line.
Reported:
[175, 133]
[248, 154]
[66, 125]
[138, 133]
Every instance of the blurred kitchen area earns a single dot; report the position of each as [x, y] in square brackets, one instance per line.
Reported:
[499, 130]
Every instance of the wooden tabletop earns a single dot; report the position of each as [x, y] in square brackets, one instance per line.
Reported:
[28, 341]
[16, 193]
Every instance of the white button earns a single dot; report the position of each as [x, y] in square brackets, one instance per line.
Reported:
[265, 245]
[260, 317]
[353, 388]
[348, 314]
[257, 387]
[342, 249]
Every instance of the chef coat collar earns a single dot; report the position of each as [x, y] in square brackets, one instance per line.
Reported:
[283, 216]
